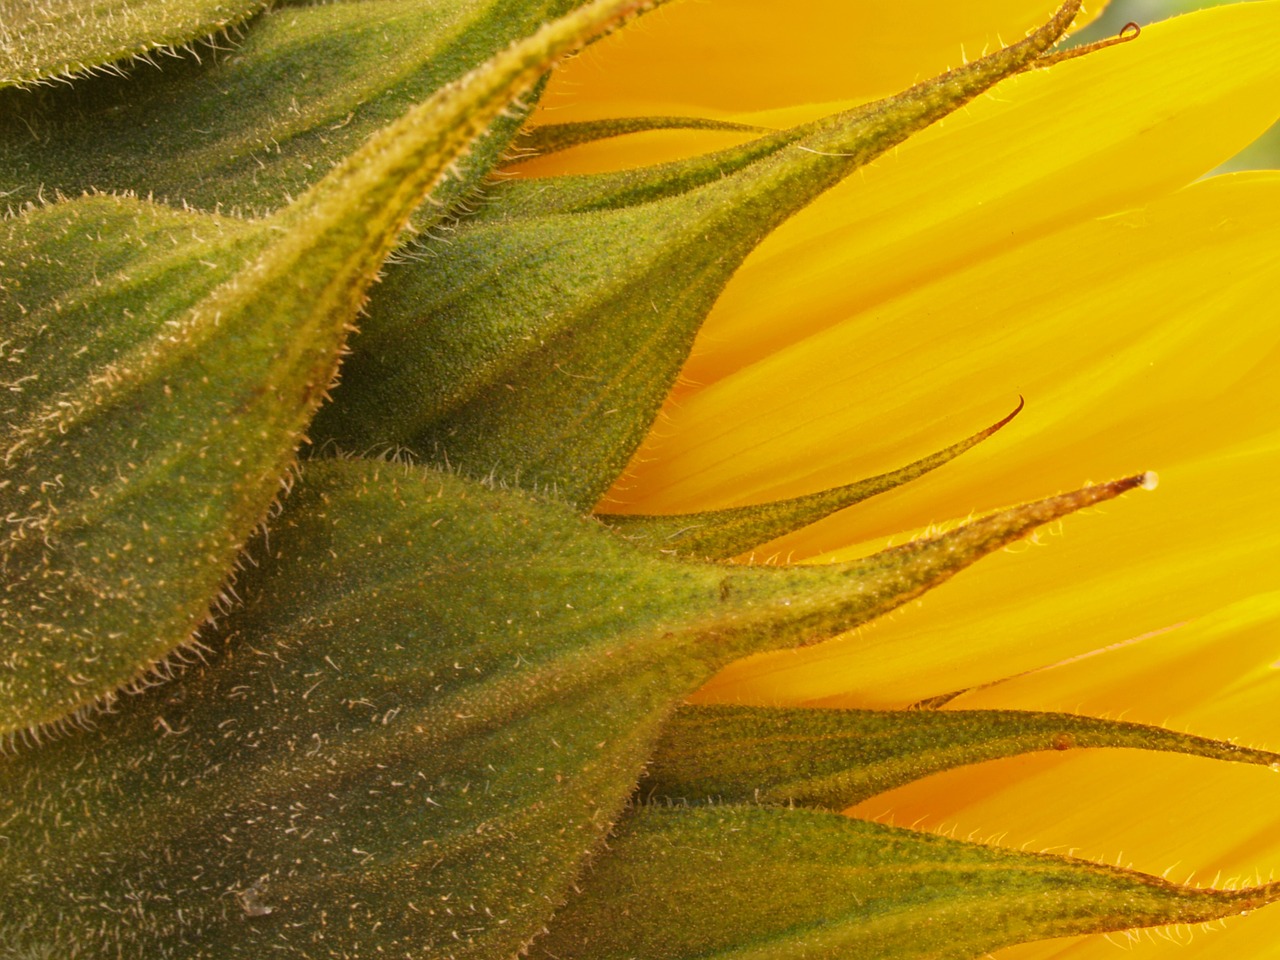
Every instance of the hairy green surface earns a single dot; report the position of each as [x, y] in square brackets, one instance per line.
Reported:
[836, 758]
[434, 702]
[119, 538]
[258, 124]
[130, 312]
[754, 883]
[553, 378]
[42, 40]
[427, 700]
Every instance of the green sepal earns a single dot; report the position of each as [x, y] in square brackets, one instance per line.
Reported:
[249, 130]
[814, 602]
[536, 347]
[152, 414]
[60, 39]
[832, 759]
[721, 534]
[761, 883]
[433, 704]
[553, 137]
[220, 339]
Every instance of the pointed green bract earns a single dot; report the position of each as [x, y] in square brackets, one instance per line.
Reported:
[539, 346]
[524, 199]
[553, 137]
[836, 758]
[433, 699]
[124, 536]
[119, 537]
[433, 704]
[822, 600]
[721, 534]
[43, 40]
[758, 883]
[252, 127]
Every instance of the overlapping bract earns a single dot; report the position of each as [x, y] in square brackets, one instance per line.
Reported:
[136, 471]
[52, 40]
[432, 700]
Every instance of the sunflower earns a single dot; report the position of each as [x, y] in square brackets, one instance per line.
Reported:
[1053, 240]
[424, 662]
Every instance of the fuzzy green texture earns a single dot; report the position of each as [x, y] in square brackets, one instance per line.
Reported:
[120, 538]
[833, 759]
[248, 129]
[431, 691]
[759, 883]
[45, 40]
[407, 738]
[554, 377]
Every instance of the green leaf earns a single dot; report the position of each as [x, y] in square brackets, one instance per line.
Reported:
[836, 758]
[250, 129]
[539, 343]
[721, 534]
[43, 40]
[136, 469]
[434, 703]
[753, 883]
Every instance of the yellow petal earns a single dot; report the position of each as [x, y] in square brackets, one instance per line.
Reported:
[1137, 341]
[1191, 820]
[945, 204]
[1149, 359]
[1206, 538]
[756, 54]
[756, 60]
[1029, 246]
